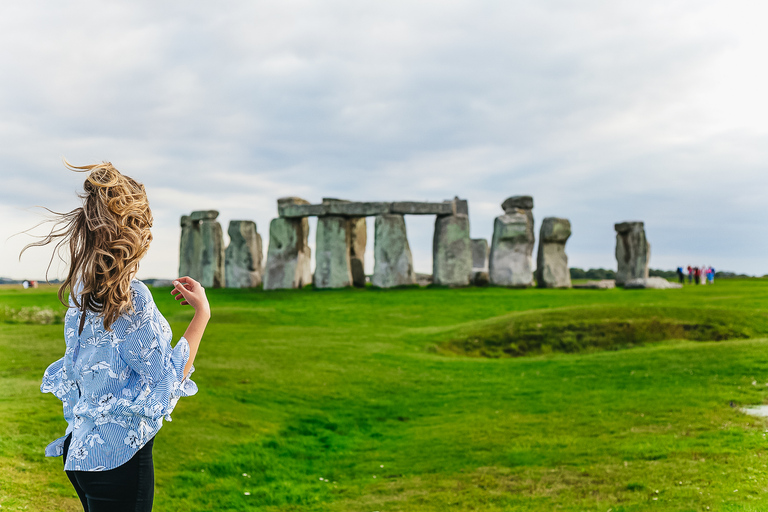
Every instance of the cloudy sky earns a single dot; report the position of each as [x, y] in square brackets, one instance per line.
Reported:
[603, 111]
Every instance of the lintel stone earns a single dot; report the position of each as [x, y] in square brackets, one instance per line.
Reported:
[203, 215]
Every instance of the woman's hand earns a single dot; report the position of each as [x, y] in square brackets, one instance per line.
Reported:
[191, 293]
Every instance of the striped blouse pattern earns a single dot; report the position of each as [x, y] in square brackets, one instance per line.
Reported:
[117, 385]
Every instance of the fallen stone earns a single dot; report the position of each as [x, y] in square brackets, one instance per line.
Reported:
[423, 279]
[633, 252]
[243, 257]
[604, 284]
[551, 261]
[451, 251]
[656, 283]
[392, 255]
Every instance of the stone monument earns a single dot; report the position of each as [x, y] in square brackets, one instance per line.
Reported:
[201, 251]
[243, 257]
[552, 262]
[451, 251]
[288, 255]
[393, 263]
[510, 262]
[633, 252]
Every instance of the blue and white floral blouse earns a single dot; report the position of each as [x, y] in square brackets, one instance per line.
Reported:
[118, 385]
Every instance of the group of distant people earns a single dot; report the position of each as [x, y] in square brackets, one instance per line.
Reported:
[697, 275]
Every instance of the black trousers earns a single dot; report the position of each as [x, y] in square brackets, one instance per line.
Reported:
[127, 488]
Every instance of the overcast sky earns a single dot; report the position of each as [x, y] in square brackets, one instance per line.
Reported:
[602, 111]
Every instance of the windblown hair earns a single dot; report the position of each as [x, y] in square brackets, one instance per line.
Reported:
[106, 238]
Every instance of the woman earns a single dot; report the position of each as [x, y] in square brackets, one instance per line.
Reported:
[119, 377]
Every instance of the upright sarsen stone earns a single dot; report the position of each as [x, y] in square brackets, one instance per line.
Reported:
[332, 261]
[212, 256]
[393, 265]
[189, 248]
[511, 262]
[552, 262]
[633, 252]
[288, 255]
[451, 251]
[243, 257]
[201, 249]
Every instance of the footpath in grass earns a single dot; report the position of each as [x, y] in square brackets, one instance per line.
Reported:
[370, 400]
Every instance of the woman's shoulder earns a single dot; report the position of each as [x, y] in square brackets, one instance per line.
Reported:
[141, 297]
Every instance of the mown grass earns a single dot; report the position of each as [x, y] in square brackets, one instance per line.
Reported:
[365, 400]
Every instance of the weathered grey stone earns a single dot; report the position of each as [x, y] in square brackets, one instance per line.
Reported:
[292, 207]
[298, 211]
[288, 255]
[657, 283]
[512, 203]
[212, 255]
[480, 251]
[604, 284]
[358, 234]
[392, 255]
[511, 261]
[633, 252]
[423, 279]
[451, 251]
[243, 257]
[551, 261]
[201, 249]
[351, 209]
[332, 263]
[204, 215]
[189, 248]
[421, 208]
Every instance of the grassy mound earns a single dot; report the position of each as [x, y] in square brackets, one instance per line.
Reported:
[584, 329]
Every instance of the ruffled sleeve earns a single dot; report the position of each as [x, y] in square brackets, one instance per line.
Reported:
[57, 382]
[146, 349]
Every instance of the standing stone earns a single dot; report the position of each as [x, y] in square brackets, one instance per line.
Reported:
[201, 251]
[633, 252]
[243, 256]
[552, 262]
[511, 262]
[393, 264]
[212, 256]
[332, 262]
[288, 255]
[479, 255]
[451, 251]
[358, 233]
[189, 248]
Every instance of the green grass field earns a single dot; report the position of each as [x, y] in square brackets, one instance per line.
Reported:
[408, 400]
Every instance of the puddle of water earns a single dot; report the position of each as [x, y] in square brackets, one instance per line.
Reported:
[759, 411]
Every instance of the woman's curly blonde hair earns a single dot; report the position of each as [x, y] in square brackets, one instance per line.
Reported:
[107, 237]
